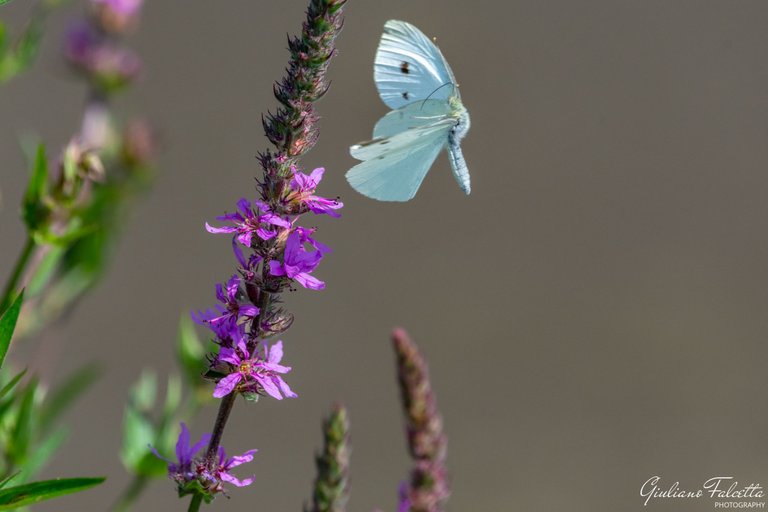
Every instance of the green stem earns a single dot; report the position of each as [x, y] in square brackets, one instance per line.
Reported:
[225, 407]
[21, 264]
[131, 493]
[194, 505]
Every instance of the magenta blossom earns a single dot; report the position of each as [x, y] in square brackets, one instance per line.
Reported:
[298, 263]
[191, 470]
[254, 372]
[403, 501]
[124, 7]
[232, 310]
[224, 465]
[185, 469]
[303, 190]
[99, 58]
[248, 221]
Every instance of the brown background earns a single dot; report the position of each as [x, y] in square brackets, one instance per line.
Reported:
[594, 313]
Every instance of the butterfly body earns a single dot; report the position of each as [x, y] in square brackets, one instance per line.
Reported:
[414, 79]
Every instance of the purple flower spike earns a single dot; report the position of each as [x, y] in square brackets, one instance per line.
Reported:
[254, 372]
[247, 222]
[298, 263]
[303, 190]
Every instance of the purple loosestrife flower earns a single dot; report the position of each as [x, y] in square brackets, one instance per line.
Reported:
[184, 470]
[232, 309]
[247, 222]
[116, 16]
[191, 473]
[253, 372]
[106, 64]
[303, 192]
[298, 263]
[221, 471]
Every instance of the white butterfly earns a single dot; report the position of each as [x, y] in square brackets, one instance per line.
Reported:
[415, 80]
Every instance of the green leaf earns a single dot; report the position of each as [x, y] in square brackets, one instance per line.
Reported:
[7, 479]
[34, 210]
[42, 453]
[45, 272]
[172, 399]
[15, 380]
[28, 494]
[144, 392]
[8, 325]
[190, 352]
[2, 2]
[29, 43]
[138, 433]
[65, 394]
[22, 431]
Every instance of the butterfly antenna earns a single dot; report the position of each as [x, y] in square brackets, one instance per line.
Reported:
[433, 92]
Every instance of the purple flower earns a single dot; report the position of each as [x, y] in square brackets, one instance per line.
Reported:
[303, 190]
[224, 465]
[232, 310]
[305, 236]
[104, 62]
[403, 502]
[253, 372]
[247, 222]
[298, 263]
[124, 7]
[191, 468]
[185, 470]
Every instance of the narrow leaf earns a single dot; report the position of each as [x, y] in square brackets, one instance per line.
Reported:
[22, 431]
[28, 494]
[12, 383]
[8, 325]
[190, 352]
[33, 208]
[43, 453]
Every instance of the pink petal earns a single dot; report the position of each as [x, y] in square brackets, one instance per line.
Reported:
[227, 384]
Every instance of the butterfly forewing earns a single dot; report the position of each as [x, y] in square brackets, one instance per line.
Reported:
[409, 67]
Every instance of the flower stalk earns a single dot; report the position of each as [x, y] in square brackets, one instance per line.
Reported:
[427, 489]
[273, 251]
[331, 489]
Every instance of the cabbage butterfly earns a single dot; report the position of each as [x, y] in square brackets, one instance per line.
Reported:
[414, 79]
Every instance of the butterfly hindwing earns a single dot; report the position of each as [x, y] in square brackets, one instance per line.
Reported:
[421, 113]
[394, 167]
[409, 67]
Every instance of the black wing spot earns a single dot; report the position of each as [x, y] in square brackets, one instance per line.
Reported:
[406, 95]
[404, 68]
[385, 141]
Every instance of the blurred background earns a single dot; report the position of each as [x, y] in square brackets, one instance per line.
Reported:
[594, 314]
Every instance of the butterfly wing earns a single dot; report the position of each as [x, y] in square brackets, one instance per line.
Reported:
[409, 67]
[394, 167]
